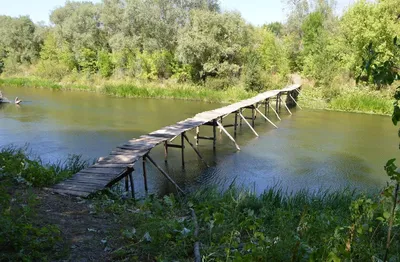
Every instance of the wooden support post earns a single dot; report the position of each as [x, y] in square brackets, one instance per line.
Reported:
[277, 105]
[126, 183]
[240, 112]
[183, 149]
[252, 115]
[132, 184]
[294, 100]
[287, 108]
[214, 133]
[197, 135]
[236, 123]
[276, 113]
[266, 118]
[146, 189]
[244, 119]
[230, 137]
[195, 150]
[166, 151]
[165, 174]
[265, 107]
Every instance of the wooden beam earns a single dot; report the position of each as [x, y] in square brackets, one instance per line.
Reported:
[165, 174]
[214, 133]
[197, 135]
[165, 151]
[145, 174]
[287, 108]
[204, 137]
[174, 146]
[244, 119]
[229, 125]
[253, 116]
[266, 118]
[195, 149]
[236, 124]
[183, 150]
[126, 183]
[294, 100]
[276, 113]
[240, 120]
[230, 137]
[132, 185]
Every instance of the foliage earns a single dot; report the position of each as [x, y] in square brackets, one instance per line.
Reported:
[17, 165]
[20, 239]
[18, 41]
[237, 225]
[385, 73]
[212, 43]
[362, 24]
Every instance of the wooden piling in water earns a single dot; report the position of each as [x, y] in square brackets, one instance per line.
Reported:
[183, 149]
[236, 124]
[146, 189]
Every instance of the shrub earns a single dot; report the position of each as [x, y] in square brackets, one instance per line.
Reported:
[105, 64]
[218, 83]
[50, 69]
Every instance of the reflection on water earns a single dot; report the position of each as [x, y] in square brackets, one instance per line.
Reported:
[311, 150]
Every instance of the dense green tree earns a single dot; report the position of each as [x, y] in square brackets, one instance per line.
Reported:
[275, 27]
[357, 31]
[212, 43]
[19, 42]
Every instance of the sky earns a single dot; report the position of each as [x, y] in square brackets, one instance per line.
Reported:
[256, 12]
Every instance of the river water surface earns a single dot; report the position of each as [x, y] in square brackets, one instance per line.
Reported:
[313, 150]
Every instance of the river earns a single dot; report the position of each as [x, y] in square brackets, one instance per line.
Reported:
[312, 149]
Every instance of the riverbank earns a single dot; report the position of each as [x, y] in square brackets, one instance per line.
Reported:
[347, 98]
[232, 225]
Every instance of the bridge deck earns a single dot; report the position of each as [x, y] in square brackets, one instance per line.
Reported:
[111, 169]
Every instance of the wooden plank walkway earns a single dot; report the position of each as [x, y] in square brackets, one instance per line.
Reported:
[119, 164]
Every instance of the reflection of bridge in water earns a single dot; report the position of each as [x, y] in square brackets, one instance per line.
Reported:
[109, 170]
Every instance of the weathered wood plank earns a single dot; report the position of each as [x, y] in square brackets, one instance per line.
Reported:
[107, 165]
[79, 188]
[70, 192]
[97, 170]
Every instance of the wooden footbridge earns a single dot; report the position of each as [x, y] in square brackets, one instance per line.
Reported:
[119, 165]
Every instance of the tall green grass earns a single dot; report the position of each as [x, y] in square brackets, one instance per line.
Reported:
[237, 225]
[367, 103]
[186, 92]
[348, 98]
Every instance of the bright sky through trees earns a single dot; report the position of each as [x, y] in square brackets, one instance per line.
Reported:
[256, 12]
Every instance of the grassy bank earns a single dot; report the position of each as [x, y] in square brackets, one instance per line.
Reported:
[234, 225]
[346, 98]
[137, 89]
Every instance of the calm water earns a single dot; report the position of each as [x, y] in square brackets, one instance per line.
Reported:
[311, 150]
